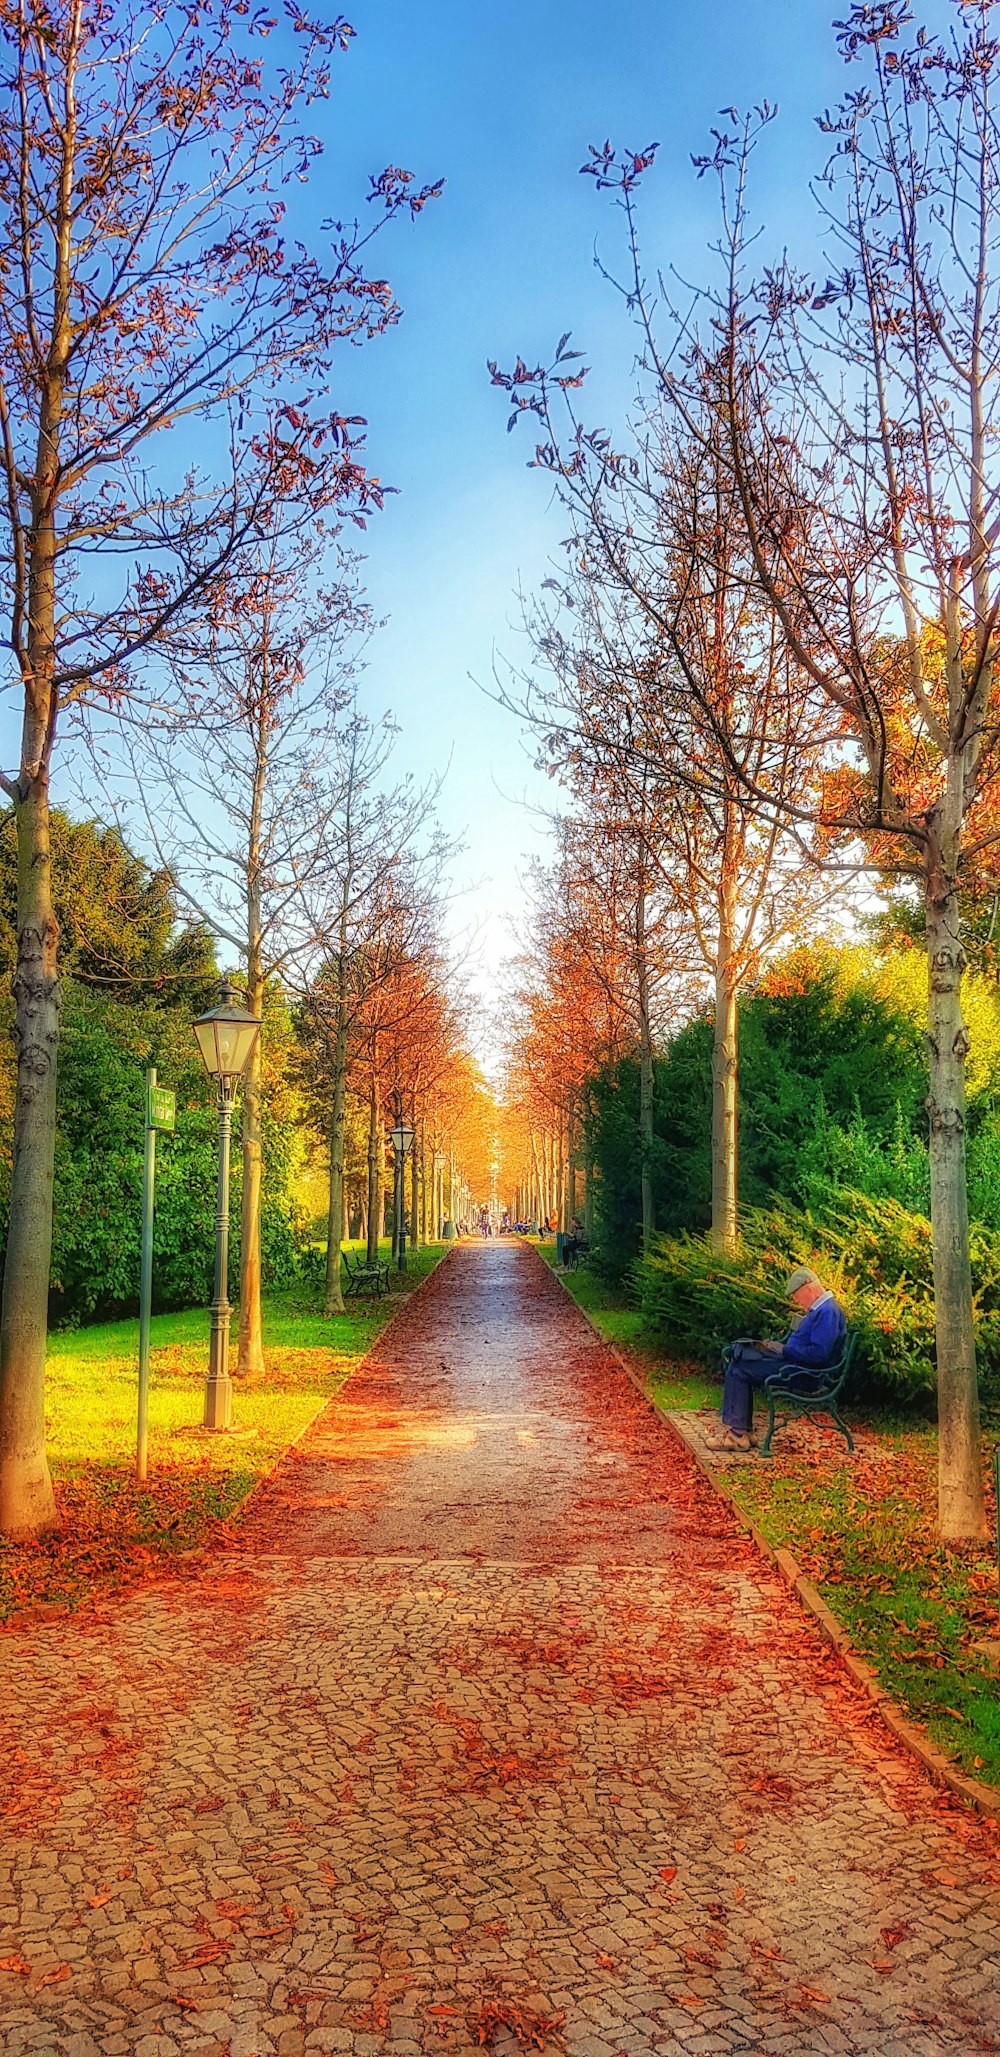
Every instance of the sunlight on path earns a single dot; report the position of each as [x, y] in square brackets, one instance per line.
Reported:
[494, 1727]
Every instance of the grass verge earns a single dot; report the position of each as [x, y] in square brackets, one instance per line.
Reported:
[113, 1529]
[620, 1323]
[863, 1528]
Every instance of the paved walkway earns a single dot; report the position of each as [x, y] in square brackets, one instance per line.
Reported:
[493, 1720]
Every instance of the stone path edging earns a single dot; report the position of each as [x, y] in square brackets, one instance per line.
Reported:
[984, 1799]
[48, 1613]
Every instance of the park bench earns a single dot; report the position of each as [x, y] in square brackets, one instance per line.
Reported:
[361, 1274]
[811, 1392]
[570, 1249]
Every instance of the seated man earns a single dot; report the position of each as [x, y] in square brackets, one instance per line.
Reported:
[815, 1342]
[575, 1244]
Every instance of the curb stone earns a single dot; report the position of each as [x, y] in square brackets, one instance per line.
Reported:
[985, 1800]
[48, 1613]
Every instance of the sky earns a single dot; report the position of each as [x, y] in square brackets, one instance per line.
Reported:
[502, 104]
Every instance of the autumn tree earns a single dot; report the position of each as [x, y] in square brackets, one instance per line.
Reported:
[858, 418]
[861, 416]
[151, 301]
[669, 688]
[599, 979]
[375, 909]
[237, 774]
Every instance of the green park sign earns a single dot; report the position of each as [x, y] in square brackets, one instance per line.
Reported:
[162, 1108]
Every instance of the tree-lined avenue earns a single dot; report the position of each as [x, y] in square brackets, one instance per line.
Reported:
[493, 1725]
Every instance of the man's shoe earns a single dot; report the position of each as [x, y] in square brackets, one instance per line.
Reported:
[727, 1440]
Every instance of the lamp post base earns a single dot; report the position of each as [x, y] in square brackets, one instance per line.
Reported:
[218, 1404]
[218, 1413]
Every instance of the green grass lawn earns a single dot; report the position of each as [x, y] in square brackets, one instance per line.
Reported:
[864, 1530]
[112, 1528]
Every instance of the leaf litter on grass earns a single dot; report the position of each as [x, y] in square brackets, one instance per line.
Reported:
[864, 1528]
[114, 1531]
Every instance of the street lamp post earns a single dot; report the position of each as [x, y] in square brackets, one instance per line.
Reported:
[401, 1136]
[225, 1036]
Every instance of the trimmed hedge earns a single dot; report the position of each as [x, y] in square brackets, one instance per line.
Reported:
[873, 1253]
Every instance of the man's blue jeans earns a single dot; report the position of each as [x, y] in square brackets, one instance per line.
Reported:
[747, 1367]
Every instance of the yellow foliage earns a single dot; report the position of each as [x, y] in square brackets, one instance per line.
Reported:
[899, 978]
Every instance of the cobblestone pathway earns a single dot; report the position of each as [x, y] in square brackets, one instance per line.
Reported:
[493, 1719]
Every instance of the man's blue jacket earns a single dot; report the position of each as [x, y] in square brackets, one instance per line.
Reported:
[819, 1335]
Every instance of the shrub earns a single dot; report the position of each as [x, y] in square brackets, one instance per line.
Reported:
[858, 1158]
[832, 1085]
[876, 1256]
[106, 1046]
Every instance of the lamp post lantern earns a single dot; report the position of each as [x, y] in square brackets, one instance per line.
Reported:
[401, 1136]
[225, 1036]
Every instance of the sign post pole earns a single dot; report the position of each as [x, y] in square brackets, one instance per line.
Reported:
[160, 1114]
[146, 1278]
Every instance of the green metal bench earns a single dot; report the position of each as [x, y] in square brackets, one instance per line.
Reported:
[361, 1274]
[811, 1392]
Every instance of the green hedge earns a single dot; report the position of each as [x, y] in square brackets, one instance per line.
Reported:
[874, 1254]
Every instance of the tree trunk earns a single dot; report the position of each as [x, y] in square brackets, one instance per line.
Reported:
[374, 1171]
[588, 1198]
[960, 1478]
[333, 1295]
[27, 1502]
[645, 1075]
[414, 1183]
[725, 1217]
[250, 1357]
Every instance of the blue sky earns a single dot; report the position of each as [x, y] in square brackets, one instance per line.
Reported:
[502, 103]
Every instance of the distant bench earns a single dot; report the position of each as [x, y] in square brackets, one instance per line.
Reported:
[361, 1275]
